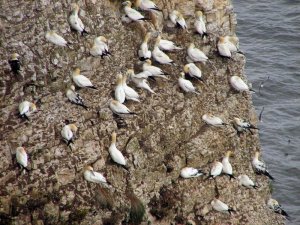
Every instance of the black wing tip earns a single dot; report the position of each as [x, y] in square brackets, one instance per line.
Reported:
[93, 87]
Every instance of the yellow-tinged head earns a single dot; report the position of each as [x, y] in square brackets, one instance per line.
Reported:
[21, 150]
[114, 102]
[157, 40]
[89, 168]
[113, 137]
[130, 72]
[127, 3]
[192, 45]
[73, 127]
[76, 71]
[186, 68]
[15, 56]
[256, 155]
[236, 120]
[221, 40]
[101, 38]
[228, 154]
[33, 107]
[119, 78]
[148, 61]
[72, 87]
[124, 78]
[182, 75]
[199, 13]
[75, 7]
[147, 37]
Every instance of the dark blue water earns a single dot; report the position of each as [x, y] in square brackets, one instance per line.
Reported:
[269, 33]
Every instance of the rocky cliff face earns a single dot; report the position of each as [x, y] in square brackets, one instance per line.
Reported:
[166, 135]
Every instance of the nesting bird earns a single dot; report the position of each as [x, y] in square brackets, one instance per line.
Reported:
[68, 133]
[119, 108]
[26, 108]
[177, 19]
[119, 89]
[223, 48]
[221, 206]
[56, 39]
[91, 176]
[130, 93]
[115, 153]
[140, 82]
[260, 167]
[100, 47]
[186, 85]
[192, 71]
[245, 181]
[159, 55]
[190, 172]
[215, 170]
[144, 52]
[241, 125]
[232, 43]
[14, 63]
[238, 84]
[22, 158]
[213, 120]
[153, 70]
[81, 81]
[166, 45]
[199, 24]
[74, 20]
[195, 54]
[146, 5]
[227, 168]
[132, 13]
[74, 97]
[276, 207]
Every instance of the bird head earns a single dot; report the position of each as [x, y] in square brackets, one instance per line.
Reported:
[228, 154]
[130, 72]
[76, 71]
[192, 45]
[72, 87]
[221, 39]
[147, 36]
[148, 61]
[182, 75]
[236, 120]
[15, 56]
[101, 38]
[256, 154]
[75, 7]
[119, 78]
[199, 14]
[127, 3]
[186, 68]
[33, 107]
[73, 127]
[113, 137]
[20, 150]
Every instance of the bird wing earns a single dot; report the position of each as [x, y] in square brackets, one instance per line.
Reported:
[83, 81]
[133, 14]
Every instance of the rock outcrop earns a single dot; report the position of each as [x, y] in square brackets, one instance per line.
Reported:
[166, 135]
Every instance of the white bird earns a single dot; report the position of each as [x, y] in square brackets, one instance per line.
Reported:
[190, 172]
[199, 24]
[276, 207]
[223, 48]
[74, 97]
[22, 158]
[166, 45]
[68, 133]
[186, 85]
[221, 206]
[227, 168]
[213, 120]
[241, 125]
[92, 176]
[177, 19]
[195, 54]
[193, 71]
[238, 84]
[119, 89]
[232, 43]
[80, 80]
[147, 74]
[130, 93]
[56, 39]
[26, 108]
[100, 47]
[245, 181]
[139, 82]
[132, 13]
[146, 5]
[259, 166]
[119, 108]
[215, 170]
[159, 55]
[74, 20]
[115, 153]
[144, 52]
[154, 70]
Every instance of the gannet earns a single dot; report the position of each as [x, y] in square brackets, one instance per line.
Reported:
[221, 206]
[213, 120]
[14, 63]
[177, 19]
[259, 166]
[146, 5]
[159, 55]
[186, 85]
[193, 71]
[166, 45]
[139, 82]
[227, 168]
[74, 20]
[119, 89]
[245, 181]
[68, 133]
[195, 54]
[223, 48]
[153, 70]
[144, 53]
[238, 84]
[54, 38]
[190, 172]
[130, 93]
[215, 170]
[26, 108]
[115, 153]
[276, 207]
[22, 158]
[132, 13]
[118, 108]
[100, 47]
[199, 24]
[241, 125]
[80, 80]
[92, 176]
[74, 97]
[232, 43]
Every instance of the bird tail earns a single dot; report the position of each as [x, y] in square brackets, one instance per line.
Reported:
[204, 34]
[145, 19]
[69, 142]
[250, 89]
[269, 175]
[84, 32]
[93, 87]
[208, 177]
[231, 210]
